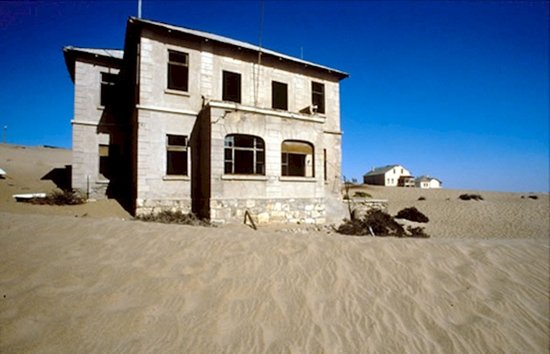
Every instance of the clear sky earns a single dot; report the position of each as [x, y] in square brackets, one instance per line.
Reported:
[456, 90]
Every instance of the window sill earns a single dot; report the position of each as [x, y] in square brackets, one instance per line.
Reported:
[297, 179]
[244, 177]
[102, 180]
[176, 92]
[175, 178]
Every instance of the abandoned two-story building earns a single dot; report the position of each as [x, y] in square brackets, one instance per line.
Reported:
[191, 121]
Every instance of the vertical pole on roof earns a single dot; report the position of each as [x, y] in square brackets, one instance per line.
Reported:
[5, 137]
[139, 8]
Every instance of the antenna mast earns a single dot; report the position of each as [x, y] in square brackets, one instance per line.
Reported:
[139, 8]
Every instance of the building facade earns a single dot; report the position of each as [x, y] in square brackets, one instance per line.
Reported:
[192, 121]
[391, 175]
[427, 182]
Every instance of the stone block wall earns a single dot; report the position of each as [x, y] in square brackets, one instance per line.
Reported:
[272, 210]
[155, 206]
[360, 206]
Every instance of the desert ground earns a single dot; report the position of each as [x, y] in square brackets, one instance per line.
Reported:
[89, 278]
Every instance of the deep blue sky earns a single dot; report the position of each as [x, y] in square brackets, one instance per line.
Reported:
[457, 90]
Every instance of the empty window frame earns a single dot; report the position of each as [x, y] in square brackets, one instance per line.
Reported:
[244, 155]
[279, 95]
[231, 90]
[176, 155]
[318, 96]
[178, 71]
[108, 82]
[297, 159]
[104, 168]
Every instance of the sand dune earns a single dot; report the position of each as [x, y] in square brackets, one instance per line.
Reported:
[480, 284]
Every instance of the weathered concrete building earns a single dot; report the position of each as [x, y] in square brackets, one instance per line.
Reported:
[192, 121]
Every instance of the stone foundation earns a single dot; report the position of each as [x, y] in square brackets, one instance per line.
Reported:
[360, 206]
[262, 211]
[155, 206]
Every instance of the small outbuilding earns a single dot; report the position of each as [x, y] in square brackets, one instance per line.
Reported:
[427, 182]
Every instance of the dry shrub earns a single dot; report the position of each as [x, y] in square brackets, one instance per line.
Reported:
[412, 214]
[421, 198]
[533, 197]
[174, 217]
[470, 197]
[381, 224]
[417, 232]
[361, 194]
[59, 197]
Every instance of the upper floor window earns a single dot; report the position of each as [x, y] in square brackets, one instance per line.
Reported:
[279, 95]
[297, 159]
[231, 90]
[318, 96]
[176, 155]
[178, 71]
[244, 154]
[108, 81]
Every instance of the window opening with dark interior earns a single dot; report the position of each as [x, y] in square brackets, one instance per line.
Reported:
[176, 155]
[108, 82]
[297, 159]
[231, 87]
[244, 155]
[104, 160]
[318, 96]
[279, 95]
[178, 71]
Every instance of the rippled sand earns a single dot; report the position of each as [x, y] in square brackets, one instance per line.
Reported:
[104, 285]
[73, 280]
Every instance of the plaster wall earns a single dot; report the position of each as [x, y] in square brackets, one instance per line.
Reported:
[89, 129]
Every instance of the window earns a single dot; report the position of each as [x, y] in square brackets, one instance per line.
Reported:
[279, 95]
[108, 81]
[178, 71]
[318, 96]
[231, 87]
[244, 155]
[297, 159]
[176, 155]
[104, 160]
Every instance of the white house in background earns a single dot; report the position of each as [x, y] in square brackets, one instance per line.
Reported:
[427, 182]
[387, 175]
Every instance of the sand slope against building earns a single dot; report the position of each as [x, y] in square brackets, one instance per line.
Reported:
[76, 279]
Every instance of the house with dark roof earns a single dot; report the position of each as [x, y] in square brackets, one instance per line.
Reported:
[187, 120]
[390, 175]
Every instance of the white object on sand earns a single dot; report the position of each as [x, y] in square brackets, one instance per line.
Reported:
[21, 197]
[2, 173]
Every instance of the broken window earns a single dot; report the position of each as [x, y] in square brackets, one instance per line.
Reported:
[104, 160]
[108, 82]
[318, 96]
[279, 95]
[176, 155]
[231, 87]
[244, 155]
[297, 159]
[178, 71]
